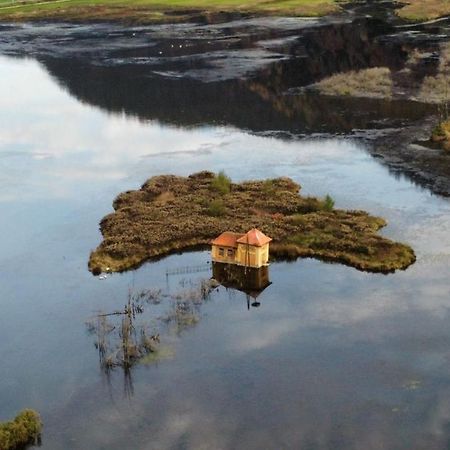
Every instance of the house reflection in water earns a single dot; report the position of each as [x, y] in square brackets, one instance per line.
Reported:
[250, 280]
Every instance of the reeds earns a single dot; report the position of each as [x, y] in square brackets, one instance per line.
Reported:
[124, 340]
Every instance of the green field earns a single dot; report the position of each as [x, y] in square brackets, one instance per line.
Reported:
[156, 10]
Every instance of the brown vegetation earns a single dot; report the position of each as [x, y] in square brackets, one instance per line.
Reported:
[375, 82]
[441, 135]
[23, 430]
[436, 88]
[142, 228]
[419, 10]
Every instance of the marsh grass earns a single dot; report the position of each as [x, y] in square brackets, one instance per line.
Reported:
[441, 135]
[420, 10]
[24, 430]
[141, 228]
[375, 82]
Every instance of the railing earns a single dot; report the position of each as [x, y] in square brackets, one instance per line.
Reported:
[188, 269]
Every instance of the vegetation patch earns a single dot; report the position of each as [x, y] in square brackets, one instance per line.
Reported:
[24, 430]
[419, 10]
[142, 228]
[436, 88]
[154, 11]
[375, 82]
[441, 135]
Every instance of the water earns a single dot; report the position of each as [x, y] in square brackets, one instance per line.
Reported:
[333, 357]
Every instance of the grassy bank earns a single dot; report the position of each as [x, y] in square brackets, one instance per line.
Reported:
[150, 11]
[420, 10]
[23, 430]
[156, 11]
[172, 213]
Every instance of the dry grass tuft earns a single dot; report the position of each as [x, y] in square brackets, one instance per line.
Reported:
[375, 82]
[141, 228]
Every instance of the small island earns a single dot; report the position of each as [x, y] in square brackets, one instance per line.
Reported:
[172, 213]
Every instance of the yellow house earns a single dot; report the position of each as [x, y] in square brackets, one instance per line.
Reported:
[250, 249]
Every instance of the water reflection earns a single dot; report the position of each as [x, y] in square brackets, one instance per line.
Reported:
[252, 281]
[179, 76]
[140, 332]
[259, 104]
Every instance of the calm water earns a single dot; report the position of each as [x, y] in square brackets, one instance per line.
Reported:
[333, 358]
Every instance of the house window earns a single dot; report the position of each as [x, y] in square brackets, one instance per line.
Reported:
[230, 252]
[221, 252]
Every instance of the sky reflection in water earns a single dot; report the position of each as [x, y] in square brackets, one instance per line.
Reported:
[333, 358]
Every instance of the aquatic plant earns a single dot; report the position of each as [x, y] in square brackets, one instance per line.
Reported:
[23, 430]
[124, 338]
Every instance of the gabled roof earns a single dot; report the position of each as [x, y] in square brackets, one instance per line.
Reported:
[227, 239]
[254, 237]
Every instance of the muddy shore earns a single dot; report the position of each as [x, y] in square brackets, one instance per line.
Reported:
[410, 152]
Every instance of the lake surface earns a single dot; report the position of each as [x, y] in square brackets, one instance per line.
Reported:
[333, 358]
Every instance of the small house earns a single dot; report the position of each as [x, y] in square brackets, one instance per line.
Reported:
[250, 249]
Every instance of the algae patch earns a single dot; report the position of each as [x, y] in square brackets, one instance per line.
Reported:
[171, 213]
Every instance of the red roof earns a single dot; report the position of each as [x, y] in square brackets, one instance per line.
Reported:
[227, 239]
[254, 237]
